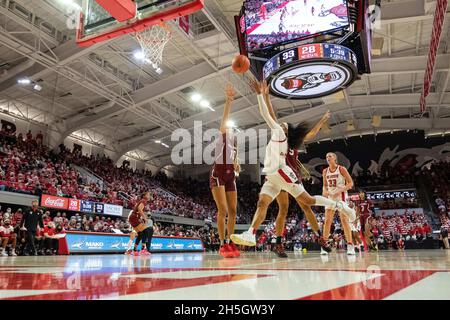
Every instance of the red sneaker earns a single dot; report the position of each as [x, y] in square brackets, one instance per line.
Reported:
[136, 253]
[234, 250]
[144, 253]
[225, 251]
[128, 252]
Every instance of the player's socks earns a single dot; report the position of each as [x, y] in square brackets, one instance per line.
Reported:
[278, 240]
[252, 230]
[324, 202]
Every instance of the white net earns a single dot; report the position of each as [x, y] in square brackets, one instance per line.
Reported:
[153, 41]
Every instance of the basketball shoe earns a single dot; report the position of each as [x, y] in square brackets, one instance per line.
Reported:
[234, 250]
[226, 251]
[244, 239]
[324, 246]
[144, 253]
[279, 250]
[350, 249]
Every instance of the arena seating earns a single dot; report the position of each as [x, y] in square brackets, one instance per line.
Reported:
[27, 166]
[437, 177]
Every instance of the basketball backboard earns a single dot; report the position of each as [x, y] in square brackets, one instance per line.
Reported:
[97, 24]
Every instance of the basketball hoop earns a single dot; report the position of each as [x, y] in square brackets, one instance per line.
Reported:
[153, 41]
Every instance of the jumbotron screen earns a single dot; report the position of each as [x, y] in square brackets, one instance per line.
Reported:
[270, 23]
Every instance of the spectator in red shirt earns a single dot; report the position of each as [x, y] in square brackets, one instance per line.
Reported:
[17, 220]
[50, 242]
[8, 235]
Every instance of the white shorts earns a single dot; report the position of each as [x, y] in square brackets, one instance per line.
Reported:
[281, 182]
[356, 228]
[343, 196]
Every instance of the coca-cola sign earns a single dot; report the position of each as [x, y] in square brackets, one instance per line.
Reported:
[54, 202]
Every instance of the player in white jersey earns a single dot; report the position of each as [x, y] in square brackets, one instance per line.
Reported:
[336, 182]
[356, 229]
[279, 176]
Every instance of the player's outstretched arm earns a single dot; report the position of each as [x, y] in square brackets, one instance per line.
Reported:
[315, 130]
[230, 93]
[266, 93]
[258, 88]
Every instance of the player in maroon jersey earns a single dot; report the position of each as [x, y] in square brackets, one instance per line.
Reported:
[283, 198]
[138, 220]
[363, 207]
[363, 210]
[223, 181]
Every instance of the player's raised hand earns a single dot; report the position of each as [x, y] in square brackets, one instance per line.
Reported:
[229, 91]
[326, 116]
[265, 88]
[256, 86]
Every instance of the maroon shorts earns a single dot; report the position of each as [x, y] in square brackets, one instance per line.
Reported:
[220, 178]
[134, 220]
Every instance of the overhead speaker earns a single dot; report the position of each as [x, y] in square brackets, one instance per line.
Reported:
[376, 121]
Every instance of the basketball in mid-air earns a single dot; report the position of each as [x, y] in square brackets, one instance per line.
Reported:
[240, 64]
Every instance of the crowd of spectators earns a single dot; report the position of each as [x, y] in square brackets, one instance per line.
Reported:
[27, 166]
[437, 177]
[387, 230]
[57, 223]
[387, 176]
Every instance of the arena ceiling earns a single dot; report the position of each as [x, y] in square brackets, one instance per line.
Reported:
[103, 95]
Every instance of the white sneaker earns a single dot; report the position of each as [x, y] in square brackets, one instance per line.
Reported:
[4, 254]
[350, 250]
[323, 252]
[13, 253]
[349, 212]
[244, 239]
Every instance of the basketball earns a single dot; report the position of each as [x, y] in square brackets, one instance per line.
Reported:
[240, 64]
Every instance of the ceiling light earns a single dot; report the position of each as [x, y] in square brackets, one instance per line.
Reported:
[24, 81]
[230, 124]
[204, 104]
[165, 145]
[196, 97]
[37, 87]
[158, 141]
[139, 54]
[158, 70]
